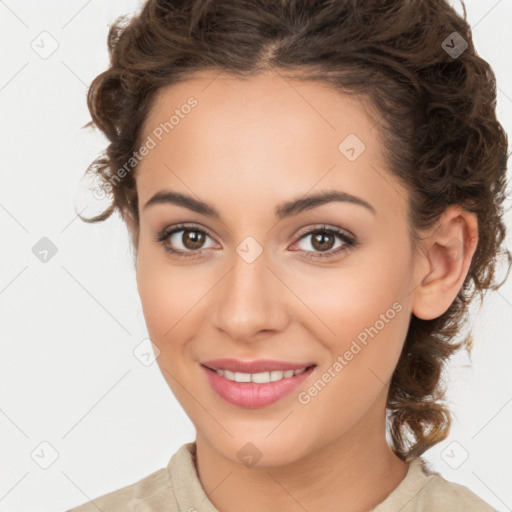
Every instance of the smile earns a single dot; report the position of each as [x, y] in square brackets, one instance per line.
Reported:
[254, 390]
[259, 378]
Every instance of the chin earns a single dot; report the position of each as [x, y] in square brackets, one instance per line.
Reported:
[261, 450]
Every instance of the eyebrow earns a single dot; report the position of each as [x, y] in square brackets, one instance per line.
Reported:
[282, 210]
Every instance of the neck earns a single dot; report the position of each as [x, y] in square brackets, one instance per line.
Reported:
[354, 472]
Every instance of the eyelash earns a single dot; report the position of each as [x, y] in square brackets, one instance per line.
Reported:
[162, 237]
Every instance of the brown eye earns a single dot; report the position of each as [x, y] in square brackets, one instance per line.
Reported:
[193, 239]
[183, 240]
[323, 242]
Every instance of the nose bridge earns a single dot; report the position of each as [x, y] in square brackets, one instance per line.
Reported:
[248, 301]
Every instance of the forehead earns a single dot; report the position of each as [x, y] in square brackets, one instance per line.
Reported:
[257, 134]
[261, 99]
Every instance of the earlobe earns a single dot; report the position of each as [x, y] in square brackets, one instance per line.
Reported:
[447, 255]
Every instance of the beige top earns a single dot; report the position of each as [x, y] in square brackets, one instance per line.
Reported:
[177, 488]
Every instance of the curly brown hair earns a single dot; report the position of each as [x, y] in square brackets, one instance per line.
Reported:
[436, 116]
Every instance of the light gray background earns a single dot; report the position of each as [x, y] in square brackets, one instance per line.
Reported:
[68, 375]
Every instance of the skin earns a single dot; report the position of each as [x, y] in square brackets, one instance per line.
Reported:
[245, 148]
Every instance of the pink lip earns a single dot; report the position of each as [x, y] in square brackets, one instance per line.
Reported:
[260, 365]
[252, 395]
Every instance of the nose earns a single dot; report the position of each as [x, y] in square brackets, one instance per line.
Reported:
[251, 300]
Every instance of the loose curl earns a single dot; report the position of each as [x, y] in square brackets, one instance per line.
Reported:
[436, 121]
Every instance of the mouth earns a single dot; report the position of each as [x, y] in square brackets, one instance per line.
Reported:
[254, 366]
[254, 389]
[258, 377]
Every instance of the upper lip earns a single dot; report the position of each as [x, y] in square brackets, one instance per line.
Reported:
[259, 365]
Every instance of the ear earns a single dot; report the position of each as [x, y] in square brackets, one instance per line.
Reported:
[444, 261]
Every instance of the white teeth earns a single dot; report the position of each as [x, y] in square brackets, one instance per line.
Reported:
[259, 378]
[242, 377]
[229, 375]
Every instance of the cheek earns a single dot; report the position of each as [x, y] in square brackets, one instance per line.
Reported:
[345, 300]
[172, 299]
[166, 296]
[369, 324]
[360, 313]
[166, 291]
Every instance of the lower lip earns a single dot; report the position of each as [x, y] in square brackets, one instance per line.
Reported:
[252, 395]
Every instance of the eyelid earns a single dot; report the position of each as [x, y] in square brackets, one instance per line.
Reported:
[322, 226]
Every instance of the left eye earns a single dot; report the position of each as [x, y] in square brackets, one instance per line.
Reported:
[322, 240]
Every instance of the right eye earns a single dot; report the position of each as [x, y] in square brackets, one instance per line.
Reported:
[189, 236]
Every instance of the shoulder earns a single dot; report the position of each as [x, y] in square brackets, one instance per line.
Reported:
[444, 495]
[424, 490]
[172, 489]
[153, 493]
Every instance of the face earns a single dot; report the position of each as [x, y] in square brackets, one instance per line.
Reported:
[321, 284]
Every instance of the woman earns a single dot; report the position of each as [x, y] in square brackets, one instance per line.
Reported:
[314, 193]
